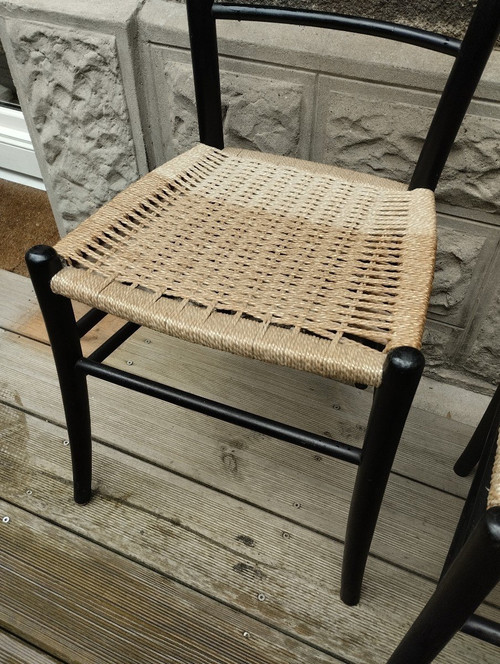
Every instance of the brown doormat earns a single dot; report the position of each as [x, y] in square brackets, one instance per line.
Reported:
[26, 219]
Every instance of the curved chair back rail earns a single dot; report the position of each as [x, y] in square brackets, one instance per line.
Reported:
[471, 55]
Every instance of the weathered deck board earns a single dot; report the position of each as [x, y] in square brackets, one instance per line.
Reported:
[268, 473]
[20, 313]
[167, 523]
[15, 651]
[86, 604]
[300, 399]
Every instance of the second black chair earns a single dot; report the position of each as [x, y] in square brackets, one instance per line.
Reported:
[472, 568]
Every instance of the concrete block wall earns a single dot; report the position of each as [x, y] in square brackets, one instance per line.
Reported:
[110, 95]
[70, 61]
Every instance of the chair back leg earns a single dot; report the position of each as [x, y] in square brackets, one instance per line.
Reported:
[477, 499]
[470, 456]
[470, 578]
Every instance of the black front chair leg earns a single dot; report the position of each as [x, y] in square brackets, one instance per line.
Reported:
[470, 578]
[470, 456]
[43, 263]
[391, 404]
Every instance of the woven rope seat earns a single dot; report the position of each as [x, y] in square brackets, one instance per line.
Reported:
[494, 492]
[278, 259]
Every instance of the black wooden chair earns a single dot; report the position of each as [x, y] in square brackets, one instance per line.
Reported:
[278, 259]
[472, 567]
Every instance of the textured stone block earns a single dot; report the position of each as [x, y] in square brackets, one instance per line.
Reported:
[456, 259]
[75, 97]
[259, 113]
[484, 358]
[374, 132]
[436, 345]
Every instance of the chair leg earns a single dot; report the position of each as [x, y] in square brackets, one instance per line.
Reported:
[472, 575]
[391, 404]
[43, 263]
[470, 456]
[477, 499]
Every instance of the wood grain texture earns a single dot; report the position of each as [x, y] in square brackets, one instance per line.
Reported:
[218, 546]
[295, 483]
[88, 605]
[20, 313]
[15, 651]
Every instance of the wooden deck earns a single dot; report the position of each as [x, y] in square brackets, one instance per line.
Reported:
[206, 543]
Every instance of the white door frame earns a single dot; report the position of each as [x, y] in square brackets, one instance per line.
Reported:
[17, 157]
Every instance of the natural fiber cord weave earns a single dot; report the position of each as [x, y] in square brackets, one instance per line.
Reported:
[278, 259]
[494, 493]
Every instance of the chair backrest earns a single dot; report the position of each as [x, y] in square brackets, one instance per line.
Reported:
[471, 55]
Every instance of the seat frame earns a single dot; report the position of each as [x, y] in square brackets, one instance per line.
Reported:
[472, 567]
[403, 367]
